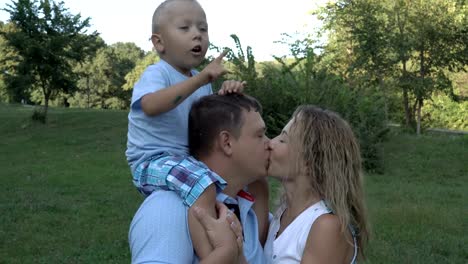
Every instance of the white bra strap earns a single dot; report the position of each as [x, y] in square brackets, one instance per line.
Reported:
[353, 233]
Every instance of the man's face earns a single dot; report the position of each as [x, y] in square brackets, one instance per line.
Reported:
[250, 150]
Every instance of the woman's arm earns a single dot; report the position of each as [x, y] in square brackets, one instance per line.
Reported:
[326, 243]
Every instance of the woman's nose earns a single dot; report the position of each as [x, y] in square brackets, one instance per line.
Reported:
[270, 144]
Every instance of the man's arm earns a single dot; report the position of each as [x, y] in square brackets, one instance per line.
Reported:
[159, 231]
[259, 189]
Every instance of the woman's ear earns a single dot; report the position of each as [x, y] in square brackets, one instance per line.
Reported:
[158, 43]
[225, 142]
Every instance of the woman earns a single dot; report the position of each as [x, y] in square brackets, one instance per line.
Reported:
[322, 217]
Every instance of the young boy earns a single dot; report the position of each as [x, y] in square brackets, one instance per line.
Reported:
[157, 147]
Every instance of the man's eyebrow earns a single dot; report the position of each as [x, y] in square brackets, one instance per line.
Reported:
[284, 132]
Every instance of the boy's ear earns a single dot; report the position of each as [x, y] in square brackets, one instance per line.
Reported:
[225, 142]
[158, 43]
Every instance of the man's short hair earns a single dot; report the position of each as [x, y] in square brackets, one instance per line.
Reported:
[215, 113]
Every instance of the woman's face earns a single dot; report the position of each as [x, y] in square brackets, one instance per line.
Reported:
[280, 160]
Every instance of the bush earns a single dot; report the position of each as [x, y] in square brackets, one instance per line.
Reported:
[442, 112]
[39, 115]
[283, 85]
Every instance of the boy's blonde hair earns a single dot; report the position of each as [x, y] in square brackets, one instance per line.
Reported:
[326, 150]
[159, 13]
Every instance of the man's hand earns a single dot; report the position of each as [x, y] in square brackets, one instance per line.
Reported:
[215, 69]
[232, 86]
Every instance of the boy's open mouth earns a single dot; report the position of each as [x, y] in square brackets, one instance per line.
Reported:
[197, 49]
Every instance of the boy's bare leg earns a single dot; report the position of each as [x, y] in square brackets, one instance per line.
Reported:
[207, 202]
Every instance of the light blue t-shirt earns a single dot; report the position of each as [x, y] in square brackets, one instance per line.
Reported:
[159, 231]
[168, 132]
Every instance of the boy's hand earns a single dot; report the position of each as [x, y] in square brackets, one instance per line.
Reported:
[225, 231]
[232, 86]
[215, 69]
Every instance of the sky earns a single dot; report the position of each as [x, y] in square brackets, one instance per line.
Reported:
[258, 23]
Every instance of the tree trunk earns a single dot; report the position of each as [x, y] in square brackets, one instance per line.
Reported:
[406, 100]
[46, 105]
[419, 96]
[46, 99]
[87, 89]
[407, 108]
[401, 26]
[384, 92]
[418, 127]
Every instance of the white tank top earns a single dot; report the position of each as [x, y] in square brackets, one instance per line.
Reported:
[288, 248]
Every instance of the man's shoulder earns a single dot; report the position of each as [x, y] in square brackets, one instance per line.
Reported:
[162, 207]
[159, 231]
[166, 201]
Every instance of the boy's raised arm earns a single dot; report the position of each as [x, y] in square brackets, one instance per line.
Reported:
[168, 98]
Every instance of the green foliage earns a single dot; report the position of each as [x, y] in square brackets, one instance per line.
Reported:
[47, 39]
[442, 112]
[9, 93]
[39, 115]
[415, 43]
[283, 85]
[134, 75]
[103, 82]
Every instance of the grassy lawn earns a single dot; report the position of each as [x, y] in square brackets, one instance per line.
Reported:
[66, 194]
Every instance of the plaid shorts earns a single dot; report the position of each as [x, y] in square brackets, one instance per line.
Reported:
[185, 175]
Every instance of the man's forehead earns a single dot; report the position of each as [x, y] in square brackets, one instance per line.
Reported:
[253, 120]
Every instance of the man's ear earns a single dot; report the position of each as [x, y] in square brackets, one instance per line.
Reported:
[158, 43]
[225, 142]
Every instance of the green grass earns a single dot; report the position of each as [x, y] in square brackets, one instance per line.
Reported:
[419, 207]
[66, 194]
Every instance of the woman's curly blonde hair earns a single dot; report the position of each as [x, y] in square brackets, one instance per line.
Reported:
[326, 150]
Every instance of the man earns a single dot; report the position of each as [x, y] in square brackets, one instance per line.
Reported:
[227, 133]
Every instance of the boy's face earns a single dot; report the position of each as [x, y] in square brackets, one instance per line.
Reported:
[183, 38]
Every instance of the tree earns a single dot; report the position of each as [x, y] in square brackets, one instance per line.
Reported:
[134, 75]
[82, 96]
[414, 42]
[9, 93]
[284, 84]
[48, 40]
[103, 84]
[440, 43]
